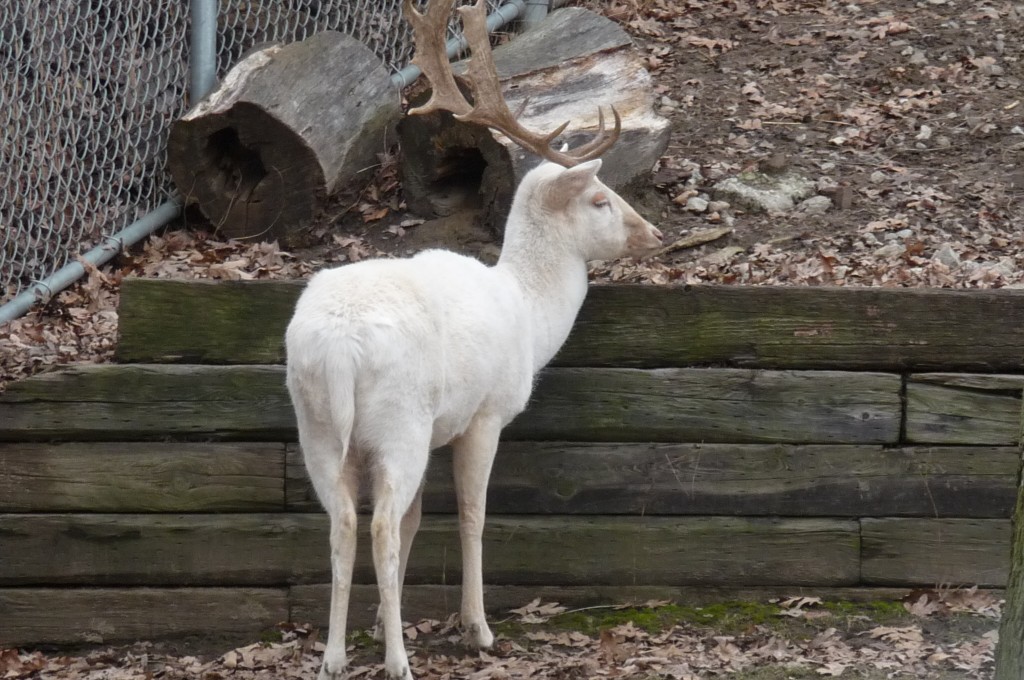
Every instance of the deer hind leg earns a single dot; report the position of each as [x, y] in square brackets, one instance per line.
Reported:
[473, 455]
[410, 525]
[398, 474]
[337, 485]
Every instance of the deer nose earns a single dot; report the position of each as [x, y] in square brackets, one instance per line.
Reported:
[657, 233]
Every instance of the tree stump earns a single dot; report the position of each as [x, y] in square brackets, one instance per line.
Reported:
[1010, 650]
[288, 126]
[571, 63]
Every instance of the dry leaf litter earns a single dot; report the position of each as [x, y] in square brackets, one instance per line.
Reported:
[823, 645]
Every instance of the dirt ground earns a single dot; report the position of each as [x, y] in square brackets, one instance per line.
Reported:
[937, 635]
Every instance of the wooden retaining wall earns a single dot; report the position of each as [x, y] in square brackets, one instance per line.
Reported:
[691, 443]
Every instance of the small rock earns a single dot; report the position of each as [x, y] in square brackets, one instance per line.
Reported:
[904, 233]
[758, 192]
[870, 239]
[891, 250]
[815, 205]
[722, 256]
[1005, 267]
[925, 133]
[947, 256]
[697, 204]
[877, 177]
[718, 206]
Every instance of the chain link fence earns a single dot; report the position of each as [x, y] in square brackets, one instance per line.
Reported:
[88, 90]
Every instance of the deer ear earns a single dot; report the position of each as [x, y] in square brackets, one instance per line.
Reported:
[571, 181]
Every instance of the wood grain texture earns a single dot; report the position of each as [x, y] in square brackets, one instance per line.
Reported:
[548, 77]
[135, 402]
[911, 551]
[242, 322]
[711, 405]
[959, 408]
[33, 616]
[118, 402]
[723, 479]
[141, 477]
[635, 326]
[278, 549]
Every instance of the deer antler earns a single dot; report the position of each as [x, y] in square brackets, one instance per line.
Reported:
[489, 107]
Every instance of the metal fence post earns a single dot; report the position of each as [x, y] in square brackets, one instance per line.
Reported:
[202, 59]
[536, 10]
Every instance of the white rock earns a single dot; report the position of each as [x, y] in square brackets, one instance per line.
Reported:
[1006, 267]
[758, 192]
[878, 177]
[697, 204]
[815, 205]
[891, 250]
[718, 206]
[947, 256]
[904, 233]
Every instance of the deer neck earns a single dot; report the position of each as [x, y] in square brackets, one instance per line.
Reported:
[553, 277]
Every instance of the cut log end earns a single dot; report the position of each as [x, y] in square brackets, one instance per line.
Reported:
[245, 186]
[288, 126]
[564, 70]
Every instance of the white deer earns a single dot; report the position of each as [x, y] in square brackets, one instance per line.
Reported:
[389, 359]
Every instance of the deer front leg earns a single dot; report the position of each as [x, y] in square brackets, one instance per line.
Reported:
[473, 455]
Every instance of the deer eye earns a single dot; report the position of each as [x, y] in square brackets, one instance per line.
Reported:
[599, 200]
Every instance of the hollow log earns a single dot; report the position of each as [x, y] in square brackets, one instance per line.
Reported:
[571, 63]
[288, 126]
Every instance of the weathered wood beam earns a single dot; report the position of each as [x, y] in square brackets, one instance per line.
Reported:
[632, 325]
[288, 126]
[962, 408]
[33, 616]
[141, 477]
[724, 479]
[89, 402]
[531, 478]
[928, 551]
[277, 549]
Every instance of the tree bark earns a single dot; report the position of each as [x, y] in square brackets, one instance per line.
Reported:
[288, 126]
[571, 63]
[1010, 650]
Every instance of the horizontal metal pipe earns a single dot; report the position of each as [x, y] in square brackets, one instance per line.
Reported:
[101, 254]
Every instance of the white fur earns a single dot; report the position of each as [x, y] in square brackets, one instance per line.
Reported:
[388, 359]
